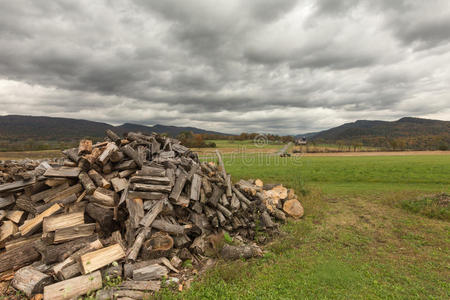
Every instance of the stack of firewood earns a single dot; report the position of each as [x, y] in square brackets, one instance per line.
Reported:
[135, 208]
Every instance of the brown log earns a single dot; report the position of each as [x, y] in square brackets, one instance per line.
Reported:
[150, 180]
[230, 252]
[234, 203]
[50, 192]
[104, 197]
[119, 184]
[62, 221]
[146, 195]
[151, 215]
[150, 272]
[293, 208]
[92, 158]
[74, 287]
[22, 241]
[106, 154]
[160, 241]
[62, 172]
[69, 271]
[134, 250]
[117, 156]
[87, 183]
[30, 281]
[3, 214]
[215, 196]
[72, 154]
[224, 210]
[196, 184]
[97, 259]
[107, 168]
[103, 216]
[125, 165]
[126, 173]
[178, 187]
[53, 182]
[241, 196]
[136, 211]
[18, 257]
[98, 179]
[151, 171]
[74, 232]
[85, 147]
[206, 186]
[33, 224]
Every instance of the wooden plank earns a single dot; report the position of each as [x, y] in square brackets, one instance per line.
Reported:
[74, 287]
[74, 232]
[50, 192]
[16, 185]
[97, 259]
[31, 225]
[62, 221]
[63, 172]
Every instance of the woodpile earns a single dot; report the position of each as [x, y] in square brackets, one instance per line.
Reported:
[133, 208]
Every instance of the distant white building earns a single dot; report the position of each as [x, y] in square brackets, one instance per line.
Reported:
[301, 141]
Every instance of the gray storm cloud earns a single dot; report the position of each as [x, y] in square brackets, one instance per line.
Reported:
[271, 66]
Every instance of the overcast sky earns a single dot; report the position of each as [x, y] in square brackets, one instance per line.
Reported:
[279, 66]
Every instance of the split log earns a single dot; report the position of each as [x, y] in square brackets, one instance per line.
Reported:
[113, 136]
[125, 165]
[149, 218]
[104, 197]
[133, 154]
[151, 171]
[3, 214]
[16, 186]
[215, 196]
[150, 272]
[151, 188]
[117, 156]
[241, 196]
[119, 184]
[63, 172]
[129, 268]
[7, 230]
[103, 216]
[237, 252]
[146, 195]
[168, 227]
[74, 232]
[182, 201]
[21, 242]
[15, 215]
[136, 211]
[224, 210]
[17, 258]
[160, 241]
[30, 281]
[106, 154]
[141, 285]
[266, 220]
[53, 182]
[33, 224]
[62, 221]
[178, 187]
[150, 179]
[97, 259]
[72, 154]
[134, 250]
[69, 271]
[74, 287]
[234, 203]
[195, 187]
[206, 186]
[293, 208]
[74, 189]
[126, 173]
[87, 183]
[58, 253]
[63, 201]
[98, 179]
[85, 147]
[50, 192]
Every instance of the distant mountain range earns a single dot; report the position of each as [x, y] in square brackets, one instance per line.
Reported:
[406, 133]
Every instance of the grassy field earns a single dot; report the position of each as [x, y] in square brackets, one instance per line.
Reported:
[367, 232]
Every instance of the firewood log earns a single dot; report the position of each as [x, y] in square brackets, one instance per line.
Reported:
[50, 192]
[99, 258]
[53, 223]
[106, 154]
[135, 208]
[104, 197]
[30, 281]
[134, 250]
[98, 179]
[73, 232]
[32, 225]
[85, 147]
[74, 287]
[150, 272]
[62, 172]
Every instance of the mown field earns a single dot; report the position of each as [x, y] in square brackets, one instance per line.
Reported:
[372, 230]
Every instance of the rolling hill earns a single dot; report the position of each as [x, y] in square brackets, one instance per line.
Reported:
[405, 133]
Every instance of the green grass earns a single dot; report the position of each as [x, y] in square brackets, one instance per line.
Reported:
[436, 206]
[356, 241]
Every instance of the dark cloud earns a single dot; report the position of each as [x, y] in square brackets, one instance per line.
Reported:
[281, 66]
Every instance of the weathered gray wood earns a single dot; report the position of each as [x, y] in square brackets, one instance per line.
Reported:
[206, 186]
[178, 187]
[168, 227]
[228, 185]
[62, 172]
[151, 171]
[237, 252]
[150, 180]
[150, 187]
[74, 189]
[135, 208]
[151, 215]
[103, 216]
[150, 272]
[18, 257]
[196, 184]
[74, 287]
[30, 281]
[133, 154]
[125, 165]
[146, 195]
[113, 136]
[240, 196]
[69, 271]
[65, 201]
[119, 184]
[106, 154]
[72, 154]
[134, 250]
[6, 201]
[104, 197]
[141, 285]
[225, 211]
[215, 196]
[98, 179]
